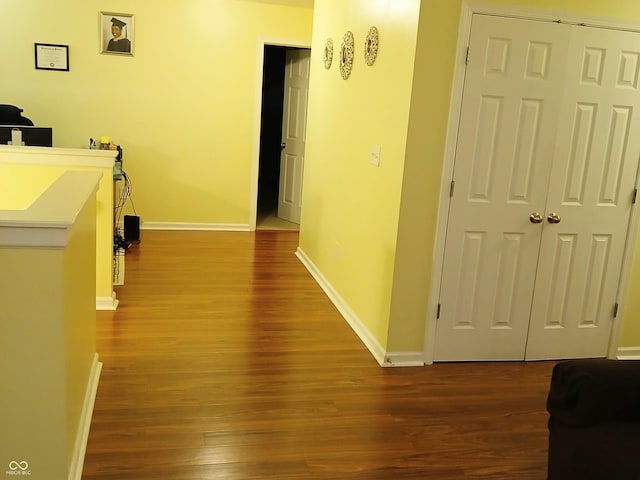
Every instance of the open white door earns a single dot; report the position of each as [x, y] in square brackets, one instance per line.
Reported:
[294, 120]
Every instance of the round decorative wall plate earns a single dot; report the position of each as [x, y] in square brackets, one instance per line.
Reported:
[328, 53]
[346, 55]
[371, 46]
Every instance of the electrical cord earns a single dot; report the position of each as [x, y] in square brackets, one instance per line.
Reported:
[130, 189]
[119, 242]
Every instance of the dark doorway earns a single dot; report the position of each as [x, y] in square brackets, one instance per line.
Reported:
[271, 129]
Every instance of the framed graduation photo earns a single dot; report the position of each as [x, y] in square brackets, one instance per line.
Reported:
[116, 33]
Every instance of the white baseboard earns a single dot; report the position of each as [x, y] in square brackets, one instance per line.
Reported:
[82, 436]
[216, 227]
[349, 315]
[404, 359]
[107, 303]
[628, 353]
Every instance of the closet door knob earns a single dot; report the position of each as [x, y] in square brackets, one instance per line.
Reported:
[553, 218]
[535, 218]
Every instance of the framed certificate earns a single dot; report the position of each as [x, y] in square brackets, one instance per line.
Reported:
[52, 57]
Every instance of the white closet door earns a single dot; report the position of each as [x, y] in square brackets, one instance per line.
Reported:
[591, 190]
[510, 106]
[549, 132]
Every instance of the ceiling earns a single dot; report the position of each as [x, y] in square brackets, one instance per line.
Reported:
[290, 3]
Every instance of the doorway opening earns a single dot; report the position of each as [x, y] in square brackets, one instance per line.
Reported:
[271, 121]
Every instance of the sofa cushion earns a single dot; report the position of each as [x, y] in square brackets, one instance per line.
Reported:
[591, 392]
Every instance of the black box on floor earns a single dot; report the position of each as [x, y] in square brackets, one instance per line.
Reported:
[131, 228]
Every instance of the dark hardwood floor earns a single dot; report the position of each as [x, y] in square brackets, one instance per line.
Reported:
[225, 360]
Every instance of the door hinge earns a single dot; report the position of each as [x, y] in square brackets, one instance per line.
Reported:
[615, 310]
[438, 312]
[453, 182]
[466, 58]
[635, 195]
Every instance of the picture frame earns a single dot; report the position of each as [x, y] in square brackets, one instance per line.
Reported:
[51, 56]
[117, 33]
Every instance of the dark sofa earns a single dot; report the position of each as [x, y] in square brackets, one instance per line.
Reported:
[594, 420]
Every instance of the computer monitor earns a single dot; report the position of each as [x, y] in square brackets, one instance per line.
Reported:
[31, 136]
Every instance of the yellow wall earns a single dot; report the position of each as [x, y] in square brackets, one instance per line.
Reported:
[79, 319]
[35, 391]
[183, 107]
[14, 195]
[630, 334]
[22, 181]
[387, 281]
[47, 345]
[350, 208]
[436, 46]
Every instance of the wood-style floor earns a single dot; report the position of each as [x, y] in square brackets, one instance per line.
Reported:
[225, 360]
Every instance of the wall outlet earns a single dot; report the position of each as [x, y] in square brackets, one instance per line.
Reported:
[374, 156]
[337, 250]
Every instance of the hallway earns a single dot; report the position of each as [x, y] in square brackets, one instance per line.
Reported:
[225, 360]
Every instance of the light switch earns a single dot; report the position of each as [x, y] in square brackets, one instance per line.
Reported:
[374, 157]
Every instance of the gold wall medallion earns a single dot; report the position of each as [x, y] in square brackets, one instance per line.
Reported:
[371, 46]
[328, 53]
[346, 55]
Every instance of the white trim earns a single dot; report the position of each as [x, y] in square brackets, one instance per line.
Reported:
[223, 227]
[37, 236]
[255, 167]
[532, 13]
[70, 157]
[82, 435]
[107, 303]
[404, 359]
[464, 34]
[628, 353]
[349, 315]
[469, 8]
[625, 275]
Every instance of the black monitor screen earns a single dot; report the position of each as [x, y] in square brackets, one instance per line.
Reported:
[31, 136]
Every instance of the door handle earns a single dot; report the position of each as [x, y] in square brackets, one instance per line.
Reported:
[283, 146]
[535, 218]
[553, 217]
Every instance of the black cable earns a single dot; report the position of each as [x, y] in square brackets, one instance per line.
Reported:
[119, 242]
[130, 190]
[125, 193]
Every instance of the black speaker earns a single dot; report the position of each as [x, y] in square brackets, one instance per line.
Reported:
[131, 228]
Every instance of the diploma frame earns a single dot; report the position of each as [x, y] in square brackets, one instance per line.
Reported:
[105, 31]
[50, 56]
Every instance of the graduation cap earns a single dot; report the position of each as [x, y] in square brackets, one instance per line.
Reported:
[117, 23]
